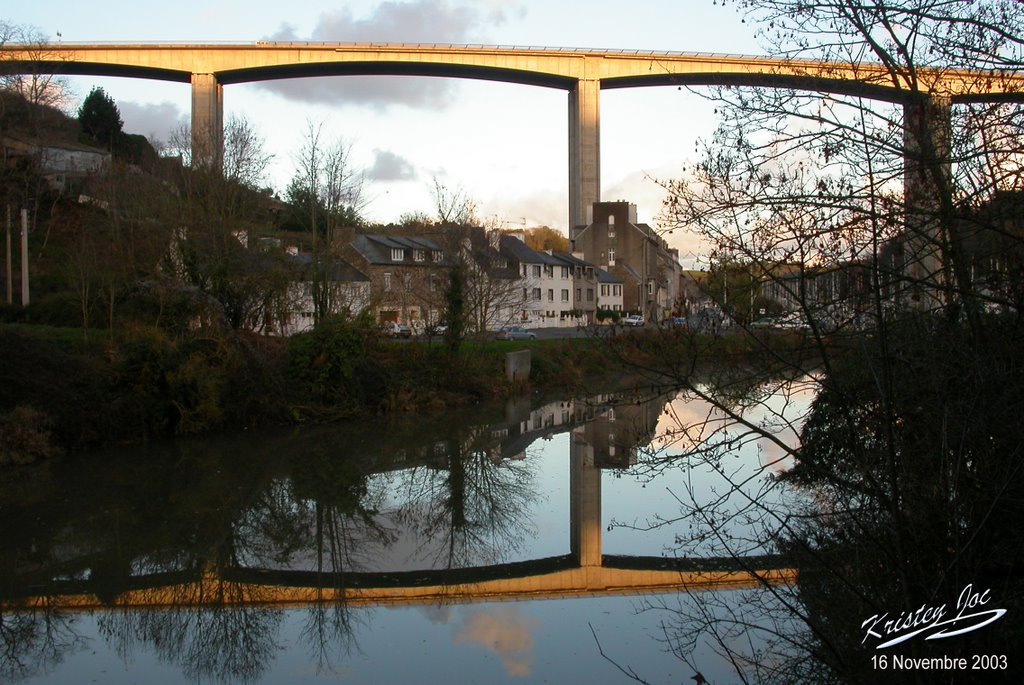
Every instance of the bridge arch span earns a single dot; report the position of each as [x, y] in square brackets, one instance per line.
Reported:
[582, 73]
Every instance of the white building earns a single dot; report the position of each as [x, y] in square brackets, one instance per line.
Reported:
[57, 162]
[546, 283]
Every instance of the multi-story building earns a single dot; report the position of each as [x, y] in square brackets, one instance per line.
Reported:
[408, 276]
[546, 285]
[634, 253]
[347, 294]
[609, 291]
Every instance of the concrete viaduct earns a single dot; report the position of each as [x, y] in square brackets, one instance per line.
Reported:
[582, 73]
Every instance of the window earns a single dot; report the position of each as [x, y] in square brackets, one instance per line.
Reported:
[397, 254]
[387, 283]
[419, 255]
[551, 295]
[611, 257]
[433, 284]
[549, 271]
[617, 290]
[565, 272]
[590, 294]
[407, 281]
[650, 287]
[536, 271]
[579, 294]
[525, 268]
[565, 295]
[536, 293]
[437, 255]
[604, 290]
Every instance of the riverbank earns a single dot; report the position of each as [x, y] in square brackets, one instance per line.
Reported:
[63, 393]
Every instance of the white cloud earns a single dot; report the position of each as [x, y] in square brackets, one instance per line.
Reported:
[156, 121]
[503, 631]
[389, 166]
[423, 21]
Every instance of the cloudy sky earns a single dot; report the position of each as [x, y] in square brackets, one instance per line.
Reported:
[504, 144]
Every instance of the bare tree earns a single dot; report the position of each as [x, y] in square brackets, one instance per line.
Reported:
[28, 80]
[876, 221]
[454, 206]
[332, 192]
[221, 214]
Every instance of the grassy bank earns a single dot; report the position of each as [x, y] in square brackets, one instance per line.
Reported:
[62, 393]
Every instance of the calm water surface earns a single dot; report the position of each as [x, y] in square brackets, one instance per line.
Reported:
[507, 545]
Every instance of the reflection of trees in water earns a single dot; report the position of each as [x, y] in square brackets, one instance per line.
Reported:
[467, 507]
[718, 460]
[34, 642]
[909, 462]
[223, 643]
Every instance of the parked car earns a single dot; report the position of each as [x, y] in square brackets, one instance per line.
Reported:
[676, 322]
[794, 321]
[515, 333]
[393, 329]
[633, 320]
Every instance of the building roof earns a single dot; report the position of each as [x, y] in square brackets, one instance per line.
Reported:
[525, 254]
[605, 277]
[337, 270]
[377, 249]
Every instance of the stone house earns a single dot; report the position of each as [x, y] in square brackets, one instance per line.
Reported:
[408, 276]
[634, 253]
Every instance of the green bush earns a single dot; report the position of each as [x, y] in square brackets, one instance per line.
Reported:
[323, 361]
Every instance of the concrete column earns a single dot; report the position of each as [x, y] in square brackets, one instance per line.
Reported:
[584, 504]
[207, 120]
[584, 151]
[927, 195]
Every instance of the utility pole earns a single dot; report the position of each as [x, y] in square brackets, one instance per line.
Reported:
[10, 262]
[24, 258]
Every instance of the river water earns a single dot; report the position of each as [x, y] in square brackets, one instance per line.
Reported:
[556, 541]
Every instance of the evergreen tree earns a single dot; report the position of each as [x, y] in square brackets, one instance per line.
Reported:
[99, 118]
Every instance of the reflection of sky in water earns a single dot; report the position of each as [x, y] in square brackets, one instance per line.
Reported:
[495, 642]
[641, 506]
[520, 642]
[702, 471]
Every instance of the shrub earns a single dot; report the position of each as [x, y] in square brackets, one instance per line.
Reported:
[323, 361]
[25, 436]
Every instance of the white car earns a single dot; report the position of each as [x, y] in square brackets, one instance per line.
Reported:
[633, 320]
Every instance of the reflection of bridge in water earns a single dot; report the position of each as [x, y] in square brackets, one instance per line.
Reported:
[605, 432]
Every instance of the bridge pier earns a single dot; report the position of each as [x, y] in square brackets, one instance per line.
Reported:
[584, 505]
[927, 196]
[584, 150]
[207, 120]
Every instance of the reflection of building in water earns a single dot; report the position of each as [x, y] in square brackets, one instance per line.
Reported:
[618, 429]
[610, 427]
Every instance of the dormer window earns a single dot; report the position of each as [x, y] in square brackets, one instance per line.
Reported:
[397, 254]
[437, 255]
[419, 255]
